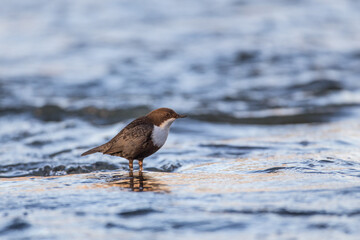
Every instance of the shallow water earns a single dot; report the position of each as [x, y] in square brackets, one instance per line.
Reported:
[270, 150]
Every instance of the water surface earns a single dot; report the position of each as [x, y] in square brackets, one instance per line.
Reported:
[270, 149]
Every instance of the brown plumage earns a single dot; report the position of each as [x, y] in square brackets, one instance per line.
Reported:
[136, 140]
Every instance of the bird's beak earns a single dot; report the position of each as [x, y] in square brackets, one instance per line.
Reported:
[181, 116]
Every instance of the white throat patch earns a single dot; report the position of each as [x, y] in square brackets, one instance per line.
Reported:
[160, 133]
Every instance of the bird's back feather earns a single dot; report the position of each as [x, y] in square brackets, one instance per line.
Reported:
[130, 142]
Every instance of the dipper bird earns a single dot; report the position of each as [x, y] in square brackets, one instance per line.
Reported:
[140, 138]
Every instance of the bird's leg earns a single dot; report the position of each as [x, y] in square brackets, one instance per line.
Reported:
[141, 165]
[131, 164]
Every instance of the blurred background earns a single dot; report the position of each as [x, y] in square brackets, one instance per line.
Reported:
[271, 87]
[221, 61]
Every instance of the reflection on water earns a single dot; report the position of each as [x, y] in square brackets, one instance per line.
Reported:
[136, 182]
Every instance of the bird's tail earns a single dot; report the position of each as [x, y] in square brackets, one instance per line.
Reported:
[93, 150]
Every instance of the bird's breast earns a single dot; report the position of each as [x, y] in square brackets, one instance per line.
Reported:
[159, 135]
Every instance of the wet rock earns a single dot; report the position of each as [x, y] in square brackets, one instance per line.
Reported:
[45, 171]
[59, 168]
[76, 170]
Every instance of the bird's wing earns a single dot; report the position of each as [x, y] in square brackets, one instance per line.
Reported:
[131, 139]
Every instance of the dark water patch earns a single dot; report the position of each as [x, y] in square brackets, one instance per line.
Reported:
[277, 169]
[207, 226]
[42, 143]
[221, 150]
[10, 170]
[198, 68]
[92, 114]
[224, 226]
[16, 224]
[226, 64]
[59, 152]
[326, 161]
[343, 191]
[165, 54]
[101, 116]
[291, 212]
[34, 169]
[38, 143]
[46, 206]
[283, 58]
[137, 212]
[135, 229]
[246, 56]
[181, 225]
[16, 137]
[324, 225]
[18, 166]
[97, 166]
[14, 110]
[234, 147]
[272, 170]
[313, 115]
[305, 143]
[80, 213]
[342, 142]
[166, 167]
[225, 154]
[330, 167]
[318, 87]
[338, 161]
[243, 97]
[176, 153]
